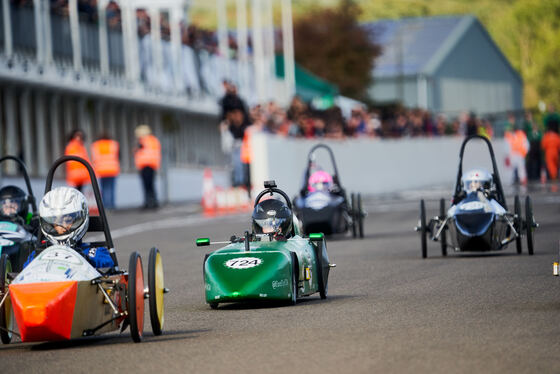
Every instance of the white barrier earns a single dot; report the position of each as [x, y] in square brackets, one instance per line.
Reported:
[373, 166]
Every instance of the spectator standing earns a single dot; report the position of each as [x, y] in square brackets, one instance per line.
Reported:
[518, 147]
[550, 144]
[534, 157]
[76, 174]
[105, 159]
[472, 125]
[233, 129]
[552, 118]
[147, 157]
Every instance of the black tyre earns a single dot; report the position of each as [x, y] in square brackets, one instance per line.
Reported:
[517, 223]
[213, 305]
[6, 311]
[295, 271]
[423, 230]
[529, 225]
[443, 235]
[353, 215]
[360, 214]
[136, 297]
[323, 269]
[156, 287]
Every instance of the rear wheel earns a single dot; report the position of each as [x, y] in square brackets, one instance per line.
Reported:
[6, 311]
[156, 289]
[360, 215]
[423, 229]
[517, 223]
[213, 305]
[353, 215]
[136, 297]
[530, 224]
[443, 235]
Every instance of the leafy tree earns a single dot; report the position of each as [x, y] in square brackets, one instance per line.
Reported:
[331, 43]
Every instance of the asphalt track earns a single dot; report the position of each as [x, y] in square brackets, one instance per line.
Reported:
[388, 310]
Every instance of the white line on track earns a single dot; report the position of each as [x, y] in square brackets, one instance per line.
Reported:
[167, 223]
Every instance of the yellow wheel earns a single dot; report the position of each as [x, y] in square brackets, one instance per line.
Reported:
[156, 288]
[6, 311]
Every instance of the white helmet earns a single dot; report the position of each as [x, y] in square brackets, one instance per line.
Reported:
[475, 179]
[64, 215]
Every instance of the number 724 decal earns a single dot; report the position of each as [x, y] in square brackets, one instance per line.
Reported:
[243, 262]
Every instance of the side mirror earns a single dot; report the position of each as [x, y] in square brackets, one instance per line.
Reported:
[202, 242]
[316, 237]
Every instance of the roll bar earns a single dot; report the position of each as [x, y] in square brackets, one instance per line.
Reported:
[31, 197]
[336, 179]
[495, 174]
[102, 219]
[270, 187]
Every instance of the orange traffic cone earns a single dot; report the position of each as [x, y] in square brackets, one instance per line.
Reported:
[208, 194]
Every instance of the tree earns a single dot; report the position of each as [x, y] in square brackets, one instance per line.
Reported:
[331, 44]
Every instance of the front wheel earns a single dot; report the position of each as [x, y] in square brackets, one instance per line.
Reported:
[136, 297]
[323, 269]
[529, 225]
[423, 229]
[443, 235]
[295, 272]
[353, 215]
[156, 289]
[6, 311]
[360, 214]
[517, 223]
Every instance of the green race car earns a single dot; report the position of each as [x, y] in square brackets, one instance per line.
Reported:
[273, 262]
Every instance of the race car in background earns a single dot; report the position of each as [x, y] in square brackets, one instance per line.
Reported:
[268, 263]
[18, 228]
[322, 205]
[59, 295]
[478, 219]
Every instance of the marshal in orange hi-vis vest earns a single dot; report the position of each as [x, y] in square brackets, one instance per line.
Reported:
[105, 158]
[517, 141]
[76, 173]
[149, 155]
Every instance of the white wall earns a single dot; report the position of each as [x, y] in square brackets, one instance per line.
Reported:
[372, 166]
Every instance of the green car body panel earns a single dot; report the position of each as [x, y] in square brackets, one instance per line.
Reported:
[264, 272]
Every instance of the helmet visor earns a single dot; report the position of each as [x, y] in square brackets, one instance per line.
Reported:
[11, 206]
[62, 224]
[270, 225]
[473, 185]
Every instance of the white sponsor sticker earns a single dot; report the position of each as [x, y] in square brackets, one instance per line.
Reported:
[473, 205]
[243, 262]
[280, 283]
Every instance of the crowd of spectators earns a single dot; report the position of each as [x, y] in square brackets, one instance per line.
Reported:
[301, 120]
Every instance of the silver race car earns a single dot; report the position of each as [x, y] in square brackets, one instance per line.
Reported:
[478, 219]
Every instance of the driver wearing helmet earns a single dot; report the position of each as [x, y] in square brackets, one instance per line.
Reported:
[476, 180]
[64, 220]
[14, 207]
[320, 181]
[273, 217]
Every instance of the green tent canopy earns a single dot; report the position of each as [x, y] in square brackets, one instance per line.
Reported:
[308, 86]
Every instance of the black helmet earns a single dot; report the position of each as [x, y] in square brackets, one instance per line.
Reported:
[272, 217]
[13, 202]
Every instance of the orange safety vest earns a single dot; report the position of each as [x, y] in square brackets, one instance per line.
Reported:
[246, 147]
[149, 155]
[105, 158]
[76, 173]
[517, 141]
